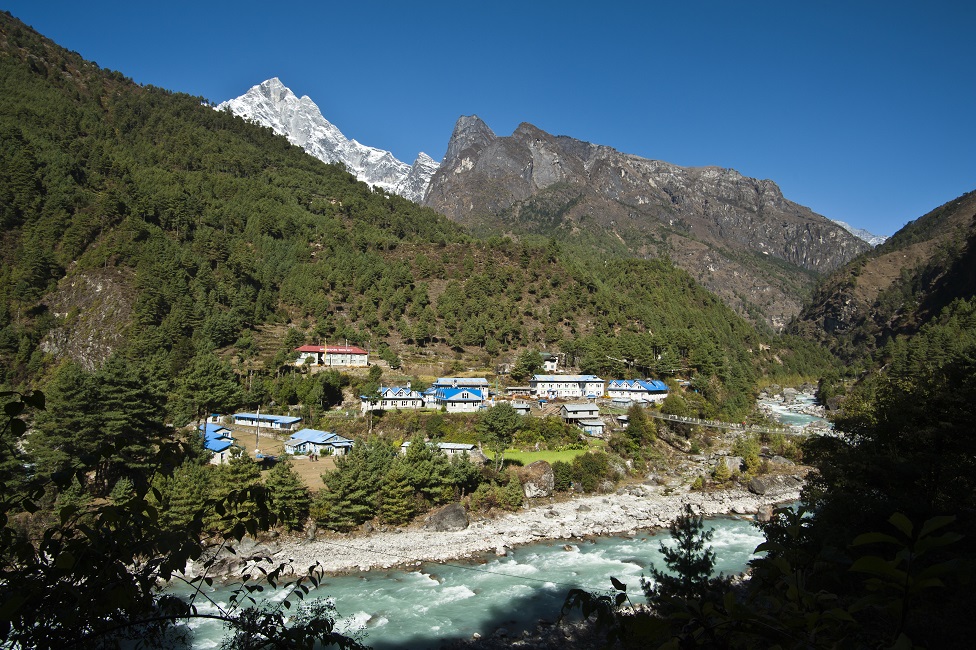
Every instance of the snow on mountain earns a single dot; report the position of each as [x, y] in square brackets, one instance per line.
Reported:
[273, 105]
[860, 233]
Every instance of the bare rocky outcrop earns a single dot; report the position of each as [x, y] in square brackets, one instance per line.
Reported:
[538, 479]
[717, 224]
[93, 309]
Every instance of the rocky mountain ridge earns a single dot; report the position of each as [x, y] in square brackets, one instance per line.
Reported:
[739, 236]
[272, 104]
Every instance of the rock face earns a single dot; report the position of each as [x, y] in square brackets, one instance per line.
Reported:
[537, 479]
[92, 309]
[449, 518]
[273, 105]
[739, 236]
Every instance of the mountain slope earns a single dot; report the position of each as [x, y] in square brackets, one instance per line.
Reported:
[141, 222]
[273, 105]
[898, 286]
[738, 236]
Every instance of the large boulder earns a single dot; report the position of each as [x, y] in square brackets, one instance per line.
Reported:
[450, 517]
[773, 484]
[537, 479]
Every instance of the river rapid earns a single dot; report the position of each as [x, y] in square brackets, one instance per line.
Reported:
[448, 600]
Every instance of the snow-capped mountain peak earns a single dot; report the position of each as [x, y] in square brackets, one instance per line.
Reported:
[860, 233]
[274, 105]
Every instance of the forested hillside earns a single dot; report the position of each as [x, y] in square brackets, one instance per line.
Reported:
[142, 222]
[897, 287]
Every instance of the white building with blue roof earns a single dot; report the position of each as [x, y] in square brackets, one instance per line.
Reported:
[393, 398]
[282, 422]
[644, 391]
[319, 443]
[566, 386]
[218, 440]
[459, 400]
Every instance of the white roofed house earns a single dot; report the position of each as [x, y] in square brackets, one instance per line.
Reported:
[638, 390]
[477, 383]
[393, 398]
[566, 386]
[549, 362]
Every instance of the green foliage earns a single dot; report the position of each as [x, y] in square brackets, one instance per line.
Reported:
[397, 504]
[90, 576]
[428, 472]
[350, 496]
[505, 492]
[910, 445]
[722, 473]
[748, 448]
[497, 426]
[562, 476]
[289, 499]
[690, 561]
[590, 469]
[527, 364]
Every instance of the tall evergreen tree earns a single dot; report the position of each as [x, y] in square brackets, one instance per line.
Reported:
[288, 497]
[397, 502]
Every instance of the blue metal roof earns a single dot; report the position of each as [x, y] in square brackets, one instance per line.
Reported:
[211, 427]
[217, 444]
[320, 438]
[458, 395]
[651, 385]
[281, 419]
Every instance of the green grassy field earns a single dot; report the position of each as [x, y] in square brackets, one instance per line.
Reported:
[567, 456]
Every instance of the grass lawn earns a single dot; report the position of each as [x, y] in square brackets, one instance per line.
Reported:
[528, 457]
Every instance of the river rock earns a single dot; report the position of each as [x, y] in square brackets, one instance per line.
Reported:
[449, 518]
[733, 463]
[762, 485]
[537, 479]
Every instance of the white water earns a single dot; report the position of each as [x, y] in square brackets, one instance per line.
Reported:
[418, 609]
[791, 415]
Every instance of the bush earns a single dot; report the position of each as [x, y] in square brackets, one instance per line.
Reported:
[590, 469]
[562, 475]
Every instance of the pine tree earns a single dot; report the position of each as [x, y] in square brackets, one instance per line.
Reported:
[427, 470]
[691, 562]
[289, 498]
[349, 497]
[397, 500]
[238, 476]
[184, 494]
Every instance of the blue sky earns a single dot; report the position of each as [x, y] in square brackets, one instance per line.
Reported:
[863, 111]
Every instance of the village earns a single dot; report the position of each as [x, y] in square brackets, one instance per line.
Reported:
[575, 399]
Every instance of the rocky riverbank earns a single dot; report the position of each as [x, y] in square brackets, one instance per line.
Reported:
[630, 509]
